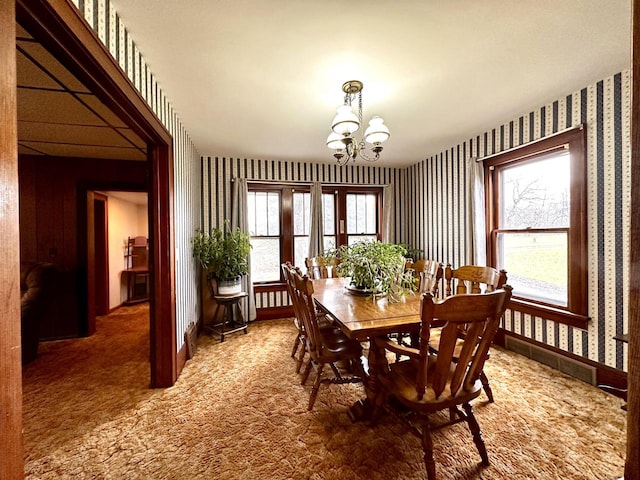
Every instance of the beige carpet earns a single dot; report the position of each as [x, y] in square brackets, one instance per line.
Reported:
[238, 411]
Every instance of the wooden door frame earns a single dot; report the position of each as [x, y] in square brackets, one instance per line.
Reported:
[92, 254]
[101, 256]
[11, 440]
[59, 25]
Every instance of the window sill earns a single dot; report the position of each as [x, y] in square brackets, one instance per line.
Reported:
[550, 313]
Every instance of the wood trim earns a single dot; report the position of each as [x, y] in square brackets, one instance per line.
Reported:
[549, 313]
[632, 465]
[90, 327]
[605, 375]
[11, 440]
[161, 265]
[272, 313]
[59, 25]
[577, 239]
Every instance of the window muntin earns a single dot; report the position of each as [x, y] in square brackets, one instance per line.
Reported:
[537, 224]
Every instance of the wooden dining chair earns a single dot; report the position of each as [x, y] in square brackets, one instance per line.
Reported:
[326, 346]
[317, 267]
[299, 344]
[427, 382]
[324, 322]
[429, 274]
[474, 279]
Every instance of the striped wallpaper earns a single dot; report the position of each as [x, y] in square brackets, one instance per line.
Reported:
[216, 191]
[104, 20]
[605, 109]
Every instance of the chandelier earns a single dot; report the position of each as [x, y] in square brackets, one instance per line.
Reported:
[347, 122]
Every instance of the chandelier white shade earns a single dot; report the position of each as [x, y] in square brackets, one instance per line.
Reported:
[347, 122]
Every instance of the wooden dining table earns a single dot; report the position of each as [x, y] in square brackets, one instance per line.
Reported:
[364, 317]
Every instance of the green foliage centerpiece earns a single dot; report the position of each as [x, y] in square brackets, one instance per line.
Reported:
[375, 268]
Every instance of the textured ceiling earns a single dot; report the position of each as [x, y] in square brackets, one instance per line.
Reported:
[58, 116]
[257, 79]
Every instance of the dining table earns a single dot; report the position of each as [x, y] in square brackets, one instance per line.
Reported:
[363, 317]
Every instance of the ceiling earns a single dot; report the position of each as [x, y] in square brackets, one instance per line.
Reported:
[256, 79]
[58, 116]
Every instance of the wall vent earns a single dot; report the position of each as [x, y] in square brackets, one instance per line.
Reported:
[576, 369]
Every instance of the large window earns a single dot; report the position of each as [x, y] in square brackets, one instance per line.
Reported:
[264, 227]
[280, 224]
[537, 220]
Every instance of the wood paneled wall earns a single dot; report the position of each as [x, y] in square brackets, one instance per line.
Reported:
[439, 227]
[52, 218]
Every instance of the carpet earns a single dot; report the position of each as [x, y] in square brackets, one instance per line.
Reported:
[238, 411]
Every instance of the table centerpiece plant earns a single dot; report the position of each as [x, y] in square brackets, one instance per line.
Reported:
[223, 254]
[375, 268]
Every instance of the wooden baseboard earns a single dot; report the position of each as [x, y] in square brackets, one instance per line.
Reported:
[274, 312]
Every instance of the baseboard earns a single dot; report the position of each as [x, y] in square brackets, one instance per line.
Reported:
[272, 313]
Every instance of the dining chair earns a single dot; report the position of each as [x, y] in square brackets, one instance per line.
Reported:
[324, 322]
[429, 382]
[326, 346]
[300, 341]
[473, 279]
[317, 267]
[429, 274]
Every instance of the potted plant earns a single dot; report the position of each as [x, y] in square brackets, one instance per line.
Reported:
[375, 268]
[224, 255]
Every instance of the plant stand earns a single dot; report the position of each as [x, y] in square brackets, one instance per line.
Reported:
[232, 319]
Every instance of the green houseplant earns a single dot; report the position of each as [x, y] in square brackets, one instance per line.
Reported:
[223, 253]
[375, 268]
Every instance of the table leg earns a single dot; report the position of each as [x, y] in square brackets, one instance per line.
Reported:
[369, 408]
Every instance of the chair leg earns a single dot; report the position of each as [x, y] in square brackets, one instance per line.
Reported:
[307, 370]
[300, 359]
[296, 344]
[486, 387]
[477, 434]
[427, 447]
[316, 386]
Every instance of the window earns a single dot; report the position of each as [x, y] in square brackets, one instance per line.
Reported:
[280, 224]
[536, 224]
[362, 217]
[264, 228]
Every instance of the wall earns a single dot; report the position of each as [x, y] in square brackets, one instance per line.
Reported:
[126, 219]
[105, 21]
[216, 191]
[604, 108]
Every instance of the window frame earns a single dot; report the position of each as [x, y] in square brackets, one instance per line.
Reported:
[340, 192]
[575, 312]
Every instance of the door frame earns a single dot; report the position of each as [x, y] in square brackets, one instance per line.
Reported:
[59, 25]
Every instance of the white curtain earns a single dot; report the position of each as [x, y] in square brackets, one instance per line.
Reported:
[239, 218]
[316, 233]
[476, 228]
[388, 218]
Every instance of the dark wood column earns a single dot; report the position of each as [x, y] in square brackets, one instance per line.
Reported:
[632, 466]
[11, 446]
